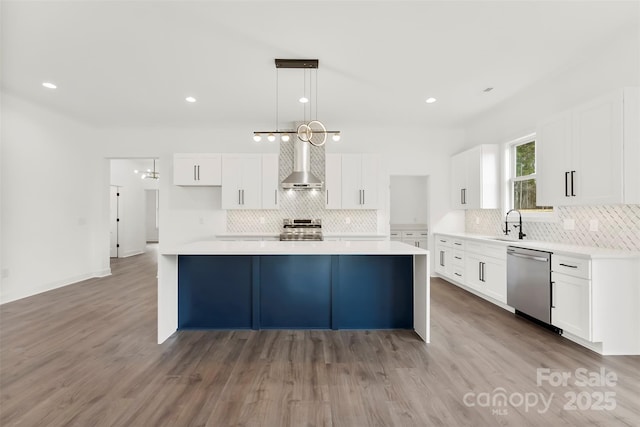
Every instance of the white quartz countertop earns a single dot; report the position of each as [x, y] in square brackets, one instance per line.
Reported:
[219, 247]
[326, 234]
[556, 248]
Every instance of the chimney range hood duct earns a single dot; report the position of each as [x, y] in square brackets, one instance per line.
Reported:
[301, 177]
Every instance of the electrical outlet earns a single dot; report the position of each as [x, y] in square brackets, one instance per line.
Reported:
[5, 273]
[593, 225]
[569, 224]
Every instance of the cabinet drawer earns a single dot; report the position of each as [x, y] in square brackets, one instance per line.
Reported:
[458, 273]
[576, 267]
[458, 244]
[489, 250]
[458, 258]
[443, 241]
[395, 235]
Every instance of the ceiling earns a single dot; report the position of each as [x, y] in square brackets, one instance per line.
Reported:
[133, 63]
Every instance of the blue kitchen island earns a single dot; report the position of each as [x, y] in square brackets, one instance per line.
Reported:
[293, 285]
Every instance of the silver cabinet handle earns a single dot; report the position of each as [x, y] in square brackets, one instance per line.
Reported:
[461, 197]
[566, 184]
[198, 172]
[363, 201]
[572, 193]
[553, 295]
[480, 271]
[194, 173]
[242, 196]
[327, 196]
[239, 200]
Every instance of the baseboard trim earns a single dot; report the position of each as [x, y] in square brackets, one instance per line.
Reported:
[132, 253]
[15, 296]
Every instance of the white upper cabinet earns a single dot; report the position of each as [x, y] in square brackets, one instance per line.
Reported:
[474, 178]
[589, 154]
[333, 181]
[197, 169]
[270, 182]
[242, 181]
[360, 181]
[351, 181]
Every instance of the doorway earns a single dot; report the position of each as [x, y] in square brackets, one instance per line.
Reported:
[409, 209]
[134, 202]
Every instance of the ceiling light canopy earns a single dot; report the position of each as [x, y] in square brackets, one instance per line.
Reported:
[431, 100]
[190, 99]
[311, 130]
[49, 85]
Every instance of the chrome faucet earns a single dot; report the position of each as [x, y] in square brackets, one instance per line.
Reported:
[506, 230]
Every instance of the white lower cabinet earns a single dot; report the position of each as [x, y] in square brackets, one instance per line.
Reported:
[443, 255]
[415, 238]
[571, 304]
[486, 274]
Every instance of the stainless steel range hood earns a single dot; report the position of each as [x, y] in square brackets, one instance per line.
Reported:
[301, 178]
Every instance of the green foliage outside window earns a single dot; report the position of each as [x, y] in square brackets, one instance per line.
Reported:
[524, 190]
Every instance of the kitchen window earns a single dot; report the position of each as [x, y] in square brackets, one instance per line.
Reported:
[522, 176]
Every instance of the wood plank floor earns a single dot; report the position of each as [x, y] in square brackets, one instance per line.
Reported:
[85, 355]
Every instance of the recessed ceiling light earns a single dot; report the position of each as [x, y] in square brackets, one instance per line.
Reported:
[431, 100]
[190, 99]
[303, 100]
[49, 85]
[489, 89]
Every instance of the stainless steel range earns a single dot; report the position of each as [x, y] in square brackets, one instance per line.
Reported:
[301, 229]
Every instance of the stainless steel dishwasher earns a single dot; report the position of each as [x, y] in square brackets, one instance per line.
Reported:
[529, 284]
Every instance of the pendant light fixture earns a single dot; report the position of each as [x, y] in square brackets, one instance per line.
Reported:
[149, 174]
[312, 130]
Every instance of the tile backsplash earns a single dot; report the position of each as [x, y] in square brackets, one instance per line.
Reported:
[618, 226]
[301, 204]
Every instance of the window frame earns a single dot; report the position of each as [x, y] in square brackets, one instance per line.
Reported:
[510, 178]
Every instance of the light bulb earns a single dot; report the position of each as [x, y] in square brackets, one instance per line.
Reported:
[336, 137]
[136, 171]
[148, 170]
[143, 176]
[303, 100]
[271, 137]
[285, 137]
[257, 137]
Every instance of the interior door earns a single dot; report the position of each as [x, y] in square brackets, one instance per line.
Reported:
[113, 221]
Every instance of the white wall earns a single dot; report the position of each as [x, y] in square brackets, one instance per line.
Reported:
[151, 199]
[409, 199]
[132, 209]
[610, 65]
[51, 217]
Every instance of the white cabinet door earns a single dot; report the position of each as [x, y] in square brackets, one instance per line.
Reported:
[241, 182]
[197, 170]
[333, 181]
[270, 182]
[598, 141]
[571, 304]
[360, 181]
[474, 178]
[473, 271]
[553, 147]
[473, 187]
[494, 279]
[458, 180]
[351, 181]
[369, 181]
